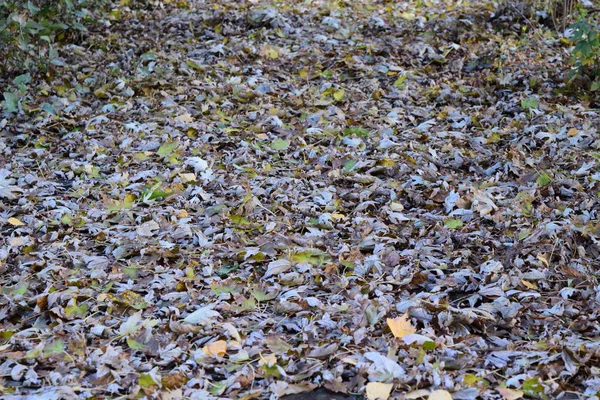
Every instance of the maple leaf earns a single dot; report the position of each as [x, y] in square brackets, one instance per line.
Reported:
[401, 326]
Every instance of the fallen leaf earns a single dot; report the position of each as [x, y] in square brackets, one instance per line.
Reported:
[15, 222]
[147, 229]
[218, 348]
[277, 267]
[510, 394]
[202, 316]
[440, 395]
[416, 394]
[378, 390]
[401, 326]
[280, 144]
[415, 338]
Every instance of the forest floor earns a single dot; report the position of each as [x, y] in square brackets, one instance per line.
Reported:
[218, 199]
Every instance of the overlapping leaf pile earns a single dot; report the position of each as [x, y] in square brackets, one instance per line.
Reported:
[241, 200]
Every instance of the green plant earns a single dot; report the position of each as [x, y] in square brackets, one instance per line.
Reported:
[586, 51]
[30, 29]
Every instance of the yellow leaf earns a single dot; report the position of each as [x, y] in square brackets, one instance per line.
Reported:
[338, 216]
[440, 395]
[188, 177]
[510, 394]
[271, 52]
[378, 390]
[401, 326]
[529, 285]
[268, 360]
[218, 348]
[339, 94]
[15, 222]
[130, 299]
[183, 214]
[573, 132]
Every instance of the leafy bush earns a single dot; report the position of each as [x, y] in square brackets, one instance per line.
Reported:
[29, 29]
[586, 51]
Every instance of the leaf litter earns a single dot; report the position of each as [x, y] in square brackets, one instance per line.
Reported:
[251, 200]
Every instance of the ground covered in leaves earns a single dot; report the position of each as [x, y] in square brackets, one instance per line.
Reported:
[219, 199]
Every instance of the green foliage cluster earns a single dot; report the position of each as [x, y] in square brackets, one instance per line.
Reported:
[30, 29]
[586, 51]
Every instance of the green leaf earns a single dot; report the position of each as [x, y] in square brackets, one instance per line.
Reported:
[5, 336]
[327, 74]
[218, 387]
[76, 311]
[239, 220]
[221, 289]
[543, 179]
[454, 223]
[261, 295]
[428, 345]
[532, 387]
[148, 56]
[280, 144]
[11, 102]
[145, 381]
[55, 347]
[22, 79]
[225, 270]
[195, 65]
[529, 103]
[314, 257]
[400, 82]
[135, 345]
[18, 289]
[524, 234]
[360, 132]
[349, 166]
[595, 85]
[167, 148]
[49, 108]
[339, 94]
[34, 353]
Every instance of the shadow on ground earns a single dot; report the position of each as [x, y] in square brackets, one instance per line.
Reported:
[321, 394]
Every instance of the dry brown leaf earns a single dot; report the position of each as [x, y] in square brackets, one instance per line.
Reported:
[401, 326]
[529, 285]
[174, 380]
[182, 327]
[378, 390]
[218, 348]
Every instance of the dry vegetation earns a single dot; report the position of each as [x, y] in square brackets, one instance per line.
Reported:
[218, 199]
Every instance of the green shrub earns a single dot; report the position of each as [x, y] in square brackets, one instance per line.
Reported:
[586, 51]
[30, 29]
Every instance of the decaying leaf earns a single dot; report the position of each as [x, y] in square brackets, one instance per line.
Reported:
[227, 199]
